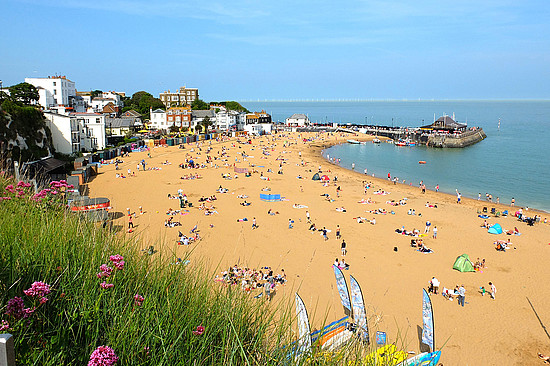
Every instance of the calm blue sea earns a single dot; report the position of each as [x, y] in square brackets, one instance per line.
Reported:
[512, 162]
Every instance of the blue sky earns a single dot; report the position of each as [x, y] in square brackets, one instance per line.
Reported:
[264, 49]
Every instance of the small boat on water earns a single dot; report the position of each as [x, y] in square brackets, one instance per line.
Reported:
[401, 143]
[353, 142]
[376, 141]
[422, 162]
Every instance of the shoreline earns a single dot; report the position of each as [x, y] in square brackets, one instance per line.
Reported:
[464, 198]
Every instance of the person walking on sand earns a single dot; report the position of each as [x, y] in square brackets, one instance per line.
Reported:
[427, 228]
[344, 250]
[290, 223]
[254, 226]
[437, 188]
[130, 222]
[458, 196]
[513, 202]
[338, 236]
[308, 217]
[493, 290]
[461, 295]
[435, 232]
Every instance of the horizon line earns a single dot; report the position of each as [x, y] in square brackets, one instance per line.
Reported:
[395, 100]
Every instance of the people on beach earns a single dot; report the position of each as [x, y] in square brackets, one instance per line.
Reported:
[461, 295]
[343, 247]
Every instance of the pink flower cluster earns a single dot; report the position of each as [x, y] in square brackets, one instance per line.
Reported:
[138, 299]
[18, 190]
[55, 188]
[16, 308]
[106, 285]
[103, 356]
[105, 271]
[118, 261]
[38, 289]
[199, 331]
[4, 325]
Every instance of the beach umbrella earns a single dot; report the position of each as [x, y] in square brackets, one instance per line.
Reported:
[325, 177]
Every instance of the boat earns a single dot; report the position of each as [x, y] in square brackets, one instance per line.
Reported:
[401, 143]
[353, 142]
[376, 141]
[422, 162]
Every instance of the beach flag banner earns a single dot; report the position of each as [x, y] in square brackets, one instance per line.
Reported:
[270, 197]
[304, 340]
[359, 313]
[342, 287]
[428, 321]
[380, 338]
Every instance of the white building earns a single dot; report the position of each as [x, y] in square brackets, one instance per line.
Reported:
[226, 119]
[54, 91]
[297, 120]
[259, 128]
[76, 132]
[157, 120]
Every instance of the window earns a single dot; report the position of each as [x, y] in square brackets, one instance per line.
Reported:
[97, 120]
[55, 92]
[54, 83]
[174, 98]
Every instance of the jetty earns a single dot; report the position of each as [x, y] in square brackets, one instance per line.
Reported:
[444, 132]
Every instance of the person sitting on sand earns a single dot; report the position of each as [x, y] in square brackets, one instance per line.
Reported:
[546, 359]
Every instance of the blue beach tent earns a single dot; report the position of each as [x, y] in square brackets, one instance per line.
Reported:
[495, 229]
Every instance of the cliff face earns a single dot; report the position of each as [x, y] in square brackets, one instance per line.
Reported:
[465, 139]
[23, 133]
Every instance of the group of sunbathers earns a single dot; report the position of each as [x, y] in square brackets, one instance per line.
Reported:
[250, 279]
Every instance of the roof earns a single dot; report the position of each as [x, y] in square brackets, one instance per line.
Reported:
[298, 116]
[203, 113]
[158, 110]
[119, 122]
[45, 165]
[445, 122]
[131, 113]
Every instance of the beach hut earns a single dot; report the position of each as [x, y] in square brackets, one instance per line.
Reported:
[495, 229]
[463, 264]
[316, 177]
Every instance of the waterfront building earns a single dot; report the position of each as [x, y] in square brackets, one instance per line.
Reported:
[179, 117]
[184, 96]
[157, 119]
[445, 124]
[297, 120]
[200, 115]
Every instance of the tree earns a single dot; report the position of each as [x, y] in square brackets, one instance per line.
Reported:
[174, 128]
[199, 104]
[206, 123]
[24, 92]
[96, 93]
[198, 128]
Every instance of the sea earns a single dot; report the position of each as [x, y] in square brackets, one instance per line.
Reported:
[512, 162]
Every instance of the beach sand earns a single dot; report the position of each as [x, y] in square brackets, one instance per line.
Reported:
[506, 331]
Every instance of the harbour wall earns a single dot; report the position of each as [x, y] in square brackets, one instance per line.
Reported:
[464, 139]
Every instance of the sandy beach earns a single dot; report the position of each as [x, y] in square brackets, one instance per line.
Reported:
[508, 330]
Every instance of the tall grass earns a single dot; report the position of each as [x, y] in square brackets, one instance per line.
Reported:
[45, 242]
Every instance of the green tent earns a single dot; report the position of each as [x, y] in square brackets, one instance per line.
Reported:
[464, 264]
[316, 177]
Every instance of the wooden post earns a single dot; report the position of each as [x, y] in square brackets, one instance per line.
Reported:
[7, 351]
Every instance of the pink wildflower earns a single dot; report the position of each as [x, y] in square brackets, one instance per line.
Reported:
[119, 265]
[116, 258]
[138, 299]
[105, 271]
[106, 285]
[43, 300]
[4, 325]
[28, 312]
[15, 307]
[38, 289]
[199, 331]
[103, 356]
